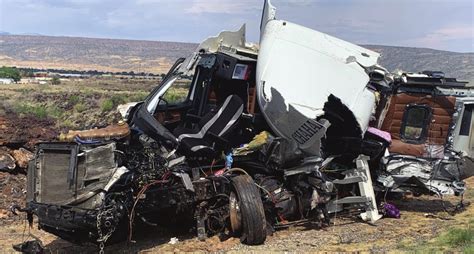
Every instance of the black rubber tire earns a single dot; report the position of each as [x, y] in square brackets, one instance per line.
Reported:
[253, 215]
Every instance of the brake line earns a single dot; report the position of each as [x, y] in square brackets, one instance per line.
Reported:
[139, 194]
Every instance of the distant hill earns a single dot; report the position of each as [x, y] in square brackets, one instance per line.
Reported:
[453, 64]
[90, 53]
[157, 56]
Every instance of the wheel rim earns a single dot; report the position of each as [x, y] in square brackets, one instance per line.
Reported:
[235, 213]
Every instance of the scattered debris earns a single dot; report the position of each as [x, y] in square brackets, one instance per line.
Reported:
[173, 240]
[7, 162]
[391, 211]
[30, 247]
[16, 143]
[430, 215]
[12, 192]
[109, 132]
[22, 157]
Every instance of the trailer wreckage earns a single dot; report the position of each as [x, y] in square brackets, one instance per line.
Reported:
[246, 139]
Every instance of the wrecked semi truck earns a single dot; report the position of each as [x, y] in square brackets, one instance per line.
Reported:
[242, 138]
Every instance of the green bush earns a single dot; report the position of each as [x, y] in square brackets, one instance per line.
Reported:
[176, 95]
[67, 123]
[80, 107]
[118, 99]
[112, 102]
[107, 105]
[73, 99]
[55, 80]
[54, 111]
[38, 111]
[454, 239]
[137, 97]
[459, 237]
[10, 72]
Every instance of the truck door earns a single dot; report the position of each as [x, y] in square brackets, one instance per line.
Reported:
[463, 133]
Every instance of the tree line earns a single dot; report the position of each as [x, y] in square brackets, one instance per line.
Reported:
[10, 72]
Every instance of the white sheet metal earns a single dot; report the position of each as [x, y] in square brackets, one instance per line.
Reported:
[225, 38]
[268, 13]
[305, 66]
[464, 143]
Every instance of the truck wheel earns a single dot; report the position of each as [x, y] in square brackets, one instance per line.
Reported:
[247, 217]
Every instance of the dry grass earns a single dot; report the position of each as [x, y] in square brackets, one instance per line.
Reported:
[74, 104]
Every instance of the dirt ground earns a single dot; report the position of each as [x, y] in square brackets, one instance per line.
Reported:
[422, 219]
[39, 129]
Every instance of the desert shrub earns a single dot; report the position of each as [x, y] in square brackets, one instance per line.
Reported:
[107, 105]
[176, 95]
[67, 124]
[459, 237]
[40, 111]
[55, 80]
[113, 102]
[455, 240]
[54, 111]
[80, 107]
[88, 92]
[43, 87]
[73, 99]
[137, 97]
[118, 99]
[37, 111]
[24, 91]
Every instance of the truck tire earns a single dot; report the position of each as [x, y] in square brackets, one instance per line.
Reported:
[249, 214]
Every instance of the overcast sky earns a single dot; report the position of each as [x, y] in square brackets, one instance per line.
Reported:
[439, 24]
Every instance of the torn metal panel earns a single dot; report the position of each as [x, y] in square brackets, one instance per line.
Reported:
[124, 109]
[424, 177]
[298, 68]
[228, 42]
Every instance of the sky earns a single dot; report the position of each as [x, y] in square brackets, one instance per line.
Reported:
[439, 24]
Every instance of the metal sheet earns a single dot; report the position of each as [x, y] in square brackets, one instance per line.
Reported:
[302, 67]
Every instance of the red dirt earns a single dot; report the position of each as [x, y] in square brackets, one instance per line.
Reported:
[25, 131]
[17, 133]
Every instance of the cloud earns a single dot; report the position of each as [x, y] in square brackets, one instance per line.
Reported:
[223, 6]
[445, 24]
[449, 33]
[441, 37]
[295, 2]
